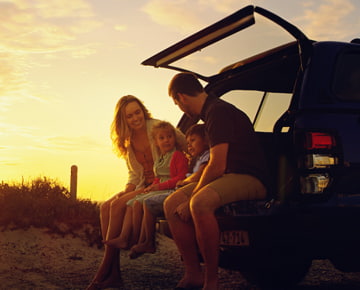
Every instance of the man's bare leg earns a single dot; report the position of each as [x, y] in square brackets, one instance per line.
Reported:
[203, 206]
[184, 236]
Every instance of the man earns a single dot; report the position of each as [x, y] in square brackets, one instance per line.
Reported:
[236, 171]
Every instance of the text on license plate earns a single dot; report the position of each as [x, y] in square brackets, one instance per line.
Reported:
[234, 238]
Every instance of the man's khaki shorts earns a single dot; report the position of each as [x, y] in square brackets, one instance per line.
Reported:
[233, 187]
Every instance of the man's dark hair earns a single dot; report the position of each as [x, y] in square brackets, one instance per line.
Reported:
[185, 83]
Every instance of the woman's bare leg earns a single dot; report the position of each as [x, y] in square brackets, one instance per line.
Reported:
[105, 216]
[122, 241]
[114, 227]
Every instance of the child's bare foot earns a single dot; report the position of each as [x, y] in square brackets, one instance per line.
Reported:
[117, 243]
[140, 249]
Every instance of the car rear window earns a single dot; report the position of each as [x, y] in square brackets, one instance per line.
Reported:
[274, 105]
[346, 83]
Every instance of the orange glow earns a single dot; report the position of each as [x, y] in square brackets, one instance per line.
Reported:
[63, 68]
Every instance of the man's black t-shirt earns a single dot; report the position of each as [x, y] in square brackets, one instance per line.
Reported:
[225, 123]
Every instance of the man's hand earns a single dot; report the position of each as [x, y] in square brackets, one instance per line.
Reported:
[183, 211]
[181, 183]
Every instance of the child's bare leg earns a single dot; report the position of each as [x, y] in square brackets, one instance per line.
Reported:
[137, 222]
[147, 244]
[142, 237]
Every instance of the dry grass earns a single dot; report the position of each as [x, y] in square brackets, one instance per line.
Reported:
[43, 203]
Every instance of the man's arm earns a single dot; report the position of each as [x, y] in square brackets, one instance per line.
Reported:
[216, 166]
[195, 177]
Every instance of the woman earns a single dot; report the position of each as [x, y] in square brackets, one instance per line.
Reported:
[131, 136]
[130, 133]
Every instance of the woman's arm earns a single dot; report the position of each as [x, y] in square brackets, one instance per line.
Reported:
[129, 187]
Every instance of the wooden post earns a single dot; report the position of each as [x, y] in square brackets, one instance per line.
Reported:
[73, 182]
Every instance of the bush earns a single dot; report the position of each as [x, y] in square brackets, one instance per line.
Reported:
[43, 203]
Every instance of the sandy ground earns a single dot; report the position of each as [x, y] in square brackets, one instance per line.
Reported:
[34, 259]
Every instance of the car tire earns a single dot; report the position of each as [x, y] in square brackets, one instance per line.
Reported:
[278, 275]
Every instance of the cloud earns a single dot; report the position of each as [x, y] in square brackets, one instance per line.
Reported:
[80, 143]
[175, 15]
[84, 51]
[15, 131]
[32, 26]
[13, 69]
[328, 19]
[120, 27]
[39, 27]
[9, 162]
[225, 6]
[22, 137]
[188, 16]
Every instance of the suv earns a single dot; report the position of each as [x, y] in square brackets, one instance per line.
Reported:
[304, 99]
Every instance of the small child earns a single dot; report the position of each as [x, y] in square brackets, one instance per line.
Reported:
[169, 168]
[198, 148]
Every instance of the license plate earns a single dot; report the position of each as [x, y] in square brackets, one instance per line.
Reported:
[234, 238]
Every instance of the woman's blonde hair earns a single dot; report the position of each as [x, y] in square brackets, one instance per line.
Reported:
[164, 125]
[120, 131]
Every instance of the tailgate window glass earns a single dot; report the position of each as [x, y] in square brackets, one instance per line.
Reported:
[273, 107]
[347, 77]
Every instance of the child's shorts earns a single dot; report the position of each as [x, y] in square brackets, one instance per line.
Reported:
[155, 203]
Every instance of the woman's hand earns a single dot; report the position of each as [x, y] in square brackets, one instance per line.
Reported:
[120, 194]
[183, 211]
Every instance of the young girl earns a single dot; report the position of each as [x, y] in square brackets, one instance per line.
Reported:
[198, 148]
[169, 168]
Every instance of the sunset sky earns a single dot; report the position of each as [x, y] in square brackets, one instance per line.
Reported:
[65, 63]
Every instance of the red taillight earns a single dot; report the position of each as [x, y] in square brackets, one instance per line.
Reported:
[317, 160]
[317, 140]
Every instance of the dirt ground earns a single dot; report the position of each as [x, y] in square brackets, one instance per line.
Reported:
[34, 259]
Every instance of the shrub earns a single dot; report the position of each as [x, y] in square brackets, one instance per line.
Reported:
[43, 203]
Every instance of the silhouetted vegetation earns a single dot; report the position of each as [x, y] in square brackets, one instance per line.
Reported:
[43, 203]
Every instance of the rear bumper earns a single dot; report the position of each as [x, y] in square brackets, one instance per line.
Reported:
[314, 231]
